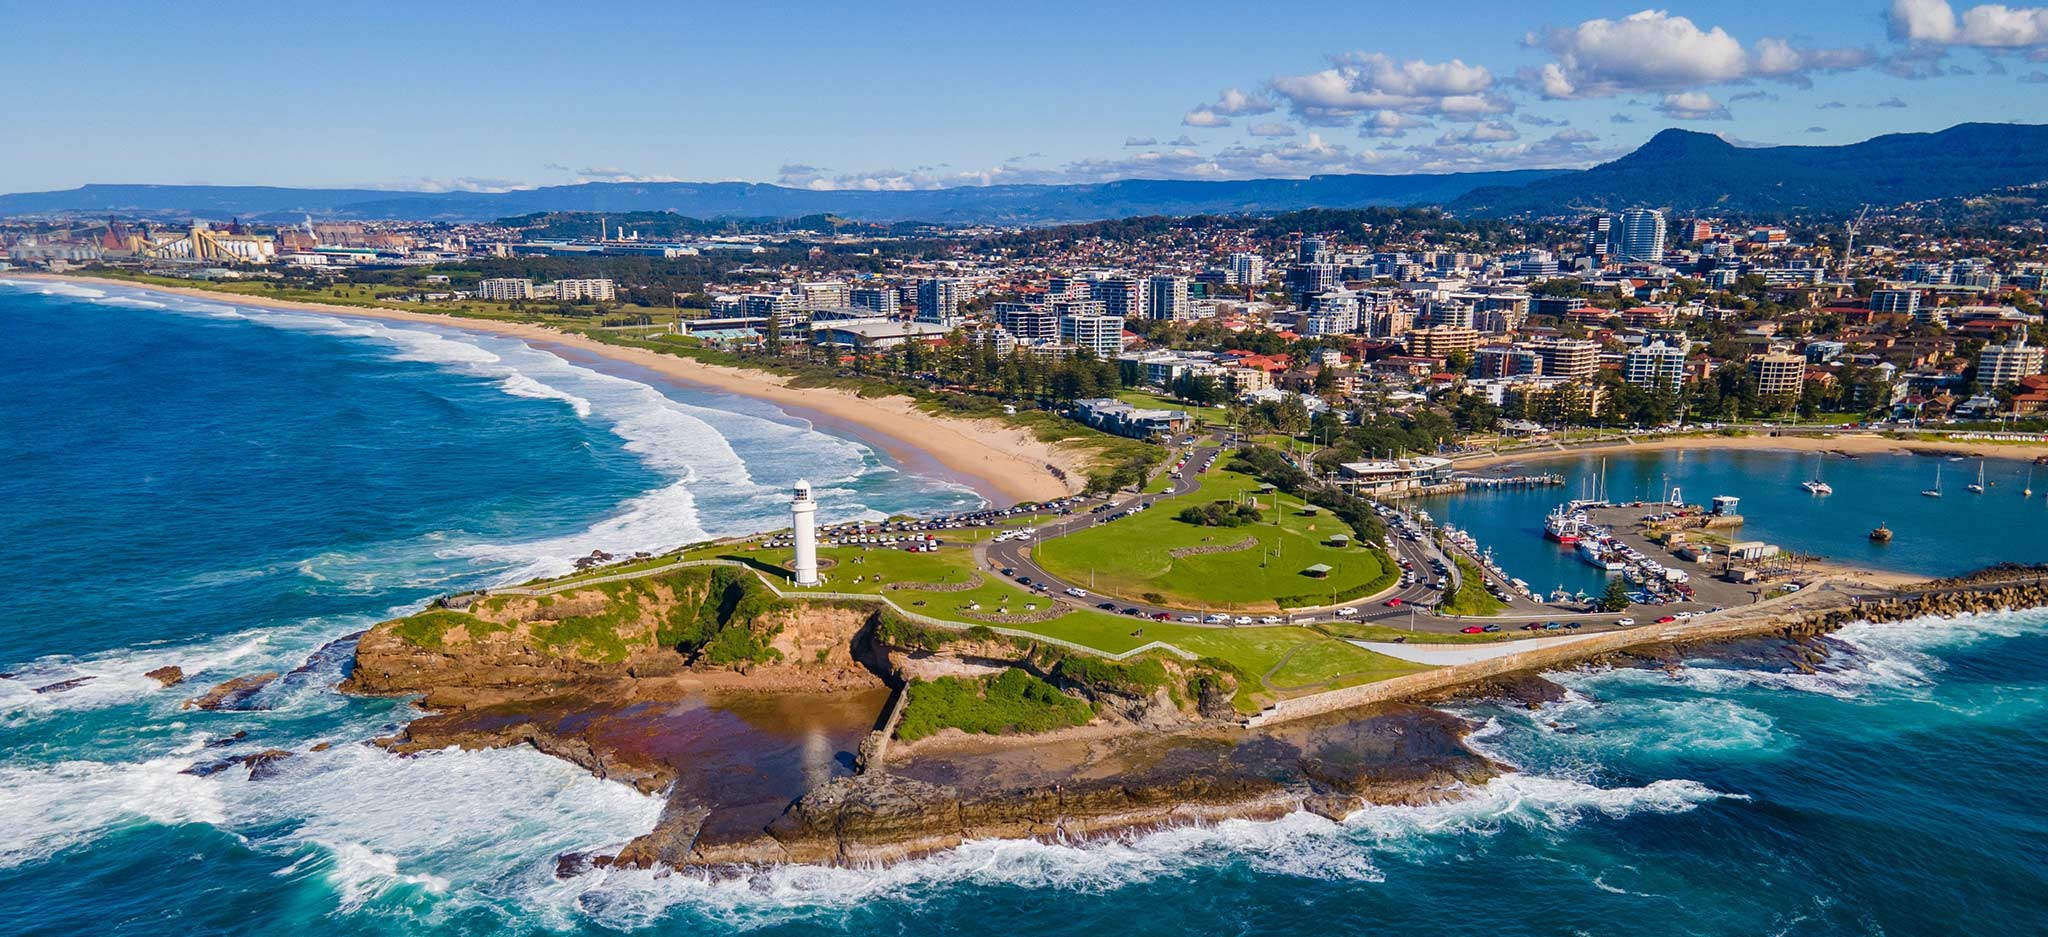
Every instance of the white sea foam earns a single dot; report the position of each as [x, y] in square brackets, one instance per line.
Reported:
[1300, 845]
[46, 809]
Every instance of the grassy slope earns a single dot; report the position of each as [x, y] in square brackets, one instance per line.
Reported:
[1130, 557]
[1472, 597]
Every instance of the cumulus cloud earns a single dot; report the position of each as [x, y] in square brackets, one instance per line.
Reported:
[460, 184]
[1692, 105]
[1140, 141]
[1358, 83]
[1271, 129]
[1620, 119]
[1538, 120]
[1574, 135]
[1753, 96]
[1656, 51]
[1390, 124]
[1182, 140]
[1986, 26]
[1231, 103]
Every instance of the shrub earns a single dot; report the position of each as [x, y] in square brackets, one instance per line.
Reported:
[1012, 701]
[1136, 678]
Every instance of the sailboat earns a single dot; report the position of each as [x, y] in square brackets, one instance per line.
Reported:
[1814, 486]
[1934, 492]
[1977, 487]
[2028, 491]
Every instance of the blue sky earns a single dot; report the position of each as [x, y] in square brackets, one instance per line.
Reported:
[423, 96]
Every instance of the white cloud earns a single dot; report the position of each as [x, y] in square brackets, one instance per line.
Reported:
[1574, 135]
[1492, 131]
[1236, 103]
[1692, 105]
[1655, 51]
[1986, 26]
[1140, 141]
[1391, 124]
[1204, 117]
[615, 174]
[1271, 129]
[1360, 82]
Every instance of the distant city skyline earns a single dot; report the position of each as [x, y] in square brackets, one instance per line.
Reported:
[923, 95]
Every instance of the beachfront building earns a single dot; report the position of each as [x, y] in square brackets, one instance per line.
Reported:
[1778, 374]
[1572, 358]
[585, 291]
[874, 334]
[1123, 419]
[1655, 366]
[803, 526]
[1028, 322]
[504, 289]
[1999, 365]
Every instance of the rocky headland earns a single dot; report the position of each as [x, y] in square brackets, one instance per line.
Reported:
[801, 732]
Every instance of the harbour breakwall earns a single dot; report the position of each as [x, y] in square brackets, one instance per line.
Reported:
[1820, 609]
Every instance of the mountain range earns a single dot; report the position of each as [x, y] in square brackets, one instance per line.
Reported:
[1677, 169]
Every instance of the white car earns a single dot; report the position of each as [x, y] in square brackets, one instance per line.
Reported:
[1270, 620]
[1346, 612]
[1217, 619]
[1244, 619]
[1076, 593]
[1625, 622]
[1190, 620]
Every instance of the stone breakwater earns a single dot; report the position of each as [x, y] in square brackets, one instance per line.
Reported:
[1815, 611]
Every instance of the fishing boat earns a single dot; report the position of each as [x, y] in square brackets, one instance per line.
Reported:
[1934, 492]
[1881, 534]
[1814, 486]
[1561, 527]
[1977, 487]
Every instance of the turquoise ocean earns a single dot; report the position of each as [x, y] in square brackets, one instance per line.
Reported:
[227, 489]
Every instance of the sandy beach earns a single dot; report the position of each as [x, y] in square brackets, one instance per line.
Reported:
[1004, 464]
[1850, 443]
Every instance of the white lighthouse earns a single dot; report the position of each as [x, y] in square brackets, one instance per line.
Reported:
[803, 523]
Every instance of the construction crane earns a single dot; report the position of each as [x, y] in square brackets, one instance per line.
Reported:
[1849, 249]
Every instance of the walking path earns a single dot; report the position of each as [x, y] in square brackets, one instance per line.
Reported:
[1441, 655]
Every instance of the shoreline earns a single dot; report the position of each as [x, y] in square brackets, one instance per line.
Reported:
[1846, 443]
[1004, 464]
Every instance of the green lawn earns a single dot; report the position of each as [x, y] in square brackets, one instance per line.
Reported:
[1131, 556]
[1307, 659]
[1143, 398]
[1472, 597]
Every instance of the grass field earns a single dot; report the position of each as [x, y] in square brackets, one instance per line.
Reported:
[1295, 659]
[1472, 597]
[1132, 556]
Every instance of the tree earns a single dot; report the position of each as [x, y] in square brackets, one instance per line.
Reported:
[1616, 599]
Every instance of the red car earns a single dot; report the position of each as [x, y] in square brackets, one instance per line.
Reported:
[1668, 619]
[1393, 603]
[1473, 629]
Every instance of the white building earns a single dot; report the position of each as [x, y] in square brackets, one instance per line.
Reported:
[1655, 365]
[1102, 335]
[1999, 365]
[1247, 269]
[1640, 236]
[503, 289]
[585, 291]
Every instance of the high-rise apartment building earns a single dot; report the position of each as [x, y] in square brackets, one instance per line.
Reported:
[1655, 366]
[1167, 298]
[1101, 335]
[1999, 365]
[1778, 374]
[1573, 358]
[939, 300]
